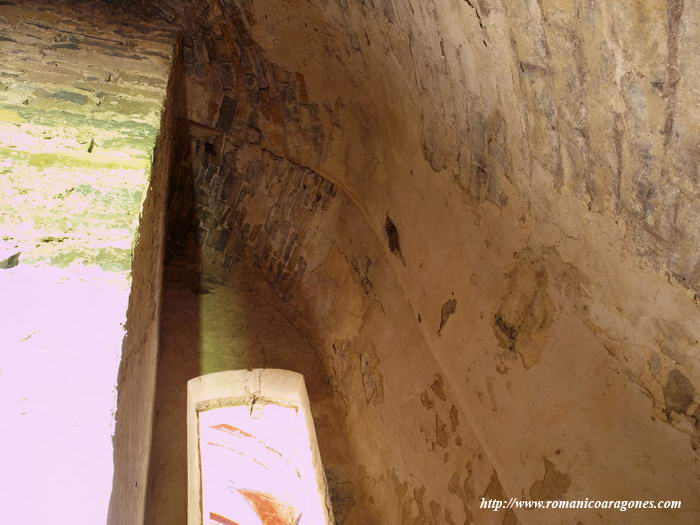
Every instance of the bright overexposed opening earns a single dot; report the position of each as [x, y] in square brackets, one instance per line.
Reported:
[254, 456]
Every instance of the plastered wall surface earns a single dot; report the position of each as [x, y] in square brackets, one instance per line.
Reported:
[483, 216]
[257, 212]
[81, 95]
[528, 174]
[575, 320]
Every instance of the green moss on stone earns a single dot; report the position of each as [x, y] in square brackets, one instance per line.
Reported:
[70, 96]
[135, 129]
[8, 115]
[109, 259]
[58, 160]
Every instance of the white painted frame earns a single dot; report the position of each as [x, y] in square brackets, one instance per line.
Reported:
[236, 387]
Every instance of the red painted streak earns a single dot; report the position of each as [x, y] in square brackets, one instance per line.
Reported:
[269, 510]
[231, 429]
[220, 519]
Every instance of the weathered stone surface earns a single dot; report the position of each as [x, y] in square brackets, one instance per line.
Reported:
[255, 208]
[539, 160]
[536, 163]
[550, 130]
[82, 200]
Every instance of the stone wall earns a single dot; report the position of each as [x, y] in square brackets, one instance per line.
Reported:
[81, 95]
[137, 372]
[541, 179]
[530, 172]
[252, 204]
[241, 179]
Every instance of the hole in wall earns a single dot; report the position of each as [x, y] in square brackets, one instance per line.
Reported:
[392, 234]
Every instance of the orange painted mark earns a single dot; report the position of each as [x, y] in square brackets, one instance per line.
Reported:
[220, 519]
[232, 429]
[269, 510]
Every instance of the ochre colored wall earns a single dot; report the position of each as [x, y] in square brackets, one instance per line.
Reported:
[522, 180]
[483, 215]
